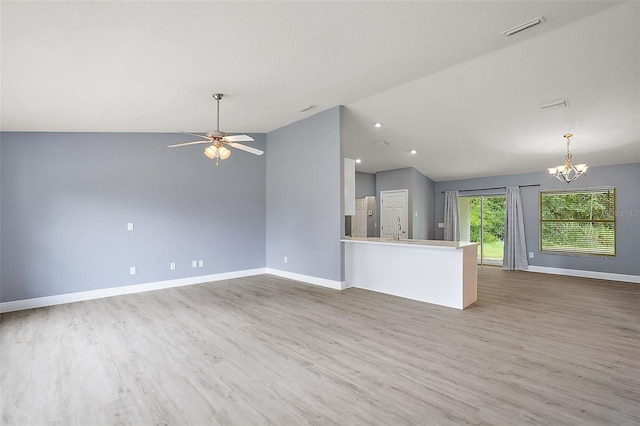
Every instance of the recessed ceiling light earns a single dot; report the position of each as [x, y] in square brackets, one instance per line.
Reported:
[358, 161]
[524, 26]
[378, 125]
[413, 151]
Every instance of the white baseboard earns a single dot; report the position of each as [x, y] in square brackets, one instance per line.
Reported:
[59, 299]
[585, 274]
[324, 282]
[39, 302]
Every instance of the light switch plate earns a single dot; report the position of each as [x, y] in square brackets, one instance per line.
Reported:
[130, 226]
[440, 224]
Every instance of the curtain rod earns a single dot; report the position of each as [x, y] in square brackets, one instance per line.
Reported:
[496, 187]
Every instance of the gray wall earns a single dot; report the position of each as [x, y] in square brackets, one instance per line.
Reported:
[420, 198]
[365, 184]
[66, 199]
[1, 234]
[624, 177]
[423, 197]
[304, 193]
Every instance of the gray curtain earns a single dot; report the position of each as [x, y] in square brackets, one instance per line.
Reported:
[515, 249]
[451, 219]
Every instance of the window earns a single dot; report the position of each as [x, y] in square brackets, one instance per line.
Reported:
[578, 222]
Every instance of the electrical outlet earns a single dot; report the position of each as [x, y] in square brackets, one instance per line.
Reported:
[194, 263]
[285, 259]
[200, 263]
[172, 266]
[132, 270]
[530, 255]
[440, 224]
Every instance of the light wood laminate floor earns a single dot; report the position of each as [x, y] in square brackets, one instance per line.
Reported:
[534, 349]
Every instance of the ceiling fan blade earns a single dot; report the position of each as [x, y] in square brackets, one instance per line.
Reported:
[238, 138]
[245, 148]
[188, 143]
[195, 134]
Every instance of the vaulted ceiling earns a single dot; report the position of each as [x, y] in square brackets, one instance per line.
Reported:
[439, 75]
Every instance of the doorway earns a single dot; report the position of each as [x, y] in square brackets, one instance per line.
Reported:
[482, 221]
[393, 214]
[359, 228]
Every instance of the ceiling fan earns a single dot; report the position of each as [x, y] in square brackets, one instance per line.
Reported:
[220, 141]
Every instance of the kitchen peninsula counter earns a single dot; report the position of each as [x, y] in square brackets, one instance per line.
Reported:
[433, 271]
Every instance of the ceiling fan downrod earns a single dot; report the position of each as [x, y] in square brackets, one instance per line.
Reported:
[217, 97]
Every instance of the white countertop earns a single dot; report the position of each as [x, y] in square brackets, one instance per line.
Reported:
[418, 243]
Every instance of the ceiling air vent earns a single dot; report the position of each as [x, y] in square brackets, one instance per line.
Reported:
[382, 144]
[557, 103]
[522, 27]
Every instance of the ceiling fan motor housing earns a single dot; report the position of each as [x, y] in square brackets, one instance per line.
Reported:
[216, 134]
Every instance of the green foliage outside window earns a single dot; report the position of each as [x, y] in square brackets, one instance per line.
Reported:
[581, 221]
[494, 214]
[493, 209]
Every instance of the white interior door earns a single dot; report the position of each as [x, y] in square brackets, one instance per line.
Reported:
[361, 218]
[393, 214]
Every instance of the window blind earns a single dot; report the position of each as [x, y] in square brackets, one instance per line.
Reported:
[581, 221]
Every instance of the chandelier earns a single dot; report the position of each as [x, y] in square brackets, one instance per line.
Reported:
[567, 172]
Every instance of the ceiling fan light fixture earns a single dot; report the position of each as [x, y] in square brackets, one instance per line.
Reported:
[211, 152]
[224, 153]
[220, 140]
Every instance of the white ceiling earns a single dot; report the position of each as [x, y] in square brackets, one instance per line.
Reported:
[440, 76]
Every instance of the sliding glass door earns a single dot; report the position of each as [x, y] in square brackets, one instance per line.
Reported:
[482, 221]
